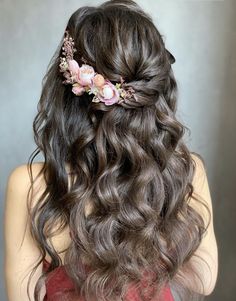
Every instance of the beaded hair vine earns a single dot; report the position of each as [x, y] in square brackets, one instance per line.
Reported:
[84, 78]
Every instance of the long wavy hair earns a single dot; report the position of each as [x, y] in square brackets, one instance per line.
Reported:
[128, 161]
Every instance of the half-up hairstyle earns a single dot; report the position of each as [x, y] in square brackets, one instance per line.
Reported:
[128, 161]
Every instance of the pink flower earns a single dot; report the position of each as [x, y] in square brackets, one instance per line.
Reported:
[78, 89]
[98, 80]
[108, 94]
[85, 75]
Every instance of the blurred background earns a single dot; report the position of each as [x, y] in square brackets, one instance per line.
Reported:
[202, 37]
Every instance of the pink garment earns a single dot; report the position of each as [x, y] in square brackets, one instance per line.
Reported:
[59, 287]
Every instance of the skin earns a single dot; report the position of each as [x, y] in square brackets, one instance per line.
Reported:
[18, 261]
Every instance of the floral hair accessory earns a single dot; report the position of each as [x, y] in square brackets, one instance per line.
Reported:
[85, 79]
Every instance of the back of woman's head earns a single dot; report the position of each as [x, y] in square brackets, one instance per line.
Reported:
[128, 160]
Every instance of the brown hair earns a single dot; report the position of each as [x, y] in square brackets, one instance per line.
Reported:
[128, 160]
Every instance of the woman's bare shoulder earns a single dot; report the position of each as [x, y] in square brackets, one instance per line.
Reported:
[21, 251]
[21, 172]
[17, 187]
[20, 178]
[208, 249]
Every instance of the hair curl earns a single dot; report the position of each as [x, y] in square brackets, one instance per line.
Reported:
[129, 161]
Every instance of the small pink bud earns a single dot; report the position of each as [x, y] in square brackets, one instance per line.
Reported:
[73, 67]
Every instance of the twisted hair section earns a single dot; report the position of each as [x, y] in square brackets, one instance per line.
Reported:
[128, 161]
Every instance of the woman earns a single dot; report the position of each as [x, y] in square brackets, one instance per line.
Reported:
[120, 209]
